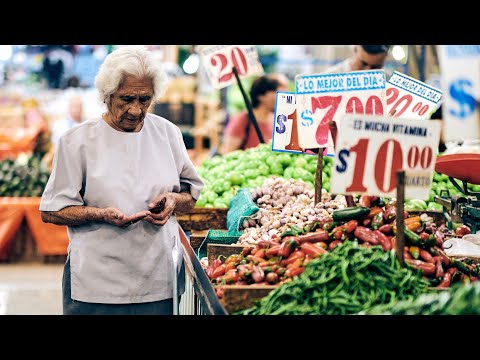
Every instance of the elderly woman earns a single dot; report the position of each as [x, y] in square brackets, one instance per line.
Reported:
[117, 182]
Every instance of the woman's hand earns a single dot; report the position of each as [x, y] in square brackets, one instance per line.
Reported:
[169, 201]
[116, 217]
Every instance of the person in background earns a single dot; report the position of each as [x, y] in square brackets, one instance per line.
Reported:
[74, 117]
[117, 182]
[364, 57]
[239, 131]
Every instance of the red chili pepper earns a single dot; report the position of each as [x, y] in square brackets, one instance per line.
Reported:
[365, 234]
[273, 251]
[287, 247]
[254, 259]
[426, 256]
[366, 222]
[427, 269]
[334, 244]
[219, 271]
[375, 211]
[211, 268]
[447, 278]
[383, 240]
[390, 213]
[337, 233]
[319, 235]
[312, 250]
[364, 200]
[386, 229]
[231, 276]
[293, 257]
[351, 226]
[294, 272]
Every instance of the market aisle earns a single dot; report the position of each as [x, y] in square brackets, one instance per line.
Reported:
[30, 289]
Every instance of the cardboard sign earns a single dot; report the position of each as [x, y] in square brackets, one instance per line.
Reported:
[409, 98]
[220, 59]
[324, 98]
[460, 69]
[371, 149]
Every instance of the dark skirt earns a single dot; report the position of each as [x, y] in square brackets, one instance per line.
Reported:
[75, 307]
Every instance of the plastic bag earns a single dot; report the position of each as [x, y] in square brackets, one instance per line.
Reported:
[468, 246]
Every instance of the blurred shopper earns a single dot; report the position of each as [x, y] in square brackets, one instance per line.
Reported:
[364, 57]
[239, 131]
[74, 117]
[117, 182]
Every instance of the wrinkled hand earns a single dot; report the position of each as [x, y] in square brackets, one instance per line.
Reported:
[163, 216]
[116, 217]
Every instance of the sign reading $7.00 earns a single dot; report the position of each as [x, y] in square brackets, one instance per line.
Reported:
[323, 98]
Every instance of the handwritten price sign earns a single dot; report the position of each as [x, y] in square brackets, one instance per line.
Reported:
[220, 59]
[285, 118]
[371, 149]
[324, 98]
[411, 99]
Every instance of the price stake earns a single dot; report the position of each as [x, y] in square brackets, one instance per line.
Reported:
[371, 149]
[411, 99]
[219, 60]
[324, 98]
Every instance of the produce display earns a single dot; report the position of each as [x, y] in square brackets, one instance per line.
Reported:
[289, 232]
[24, 176]
[224, 175]
[283, 204]
[347, 280]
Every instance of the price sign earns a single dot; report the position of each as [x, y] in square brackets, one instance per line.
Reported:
[460, 69]
[371, 149]
[285, 117]
[411, 99]
[220, 59]
[324, 98]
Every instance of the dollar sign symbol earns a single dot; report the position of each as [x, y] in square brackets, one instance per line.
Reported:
[307, 119]
[466, 102]
[281, 119]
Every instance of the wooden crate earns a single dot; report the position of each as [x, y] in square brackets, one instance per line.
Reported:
[241, 297]
[203, 219]
[215, 250]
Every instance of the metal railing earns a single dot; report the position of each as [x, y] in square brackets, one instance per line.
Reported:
[199, 297]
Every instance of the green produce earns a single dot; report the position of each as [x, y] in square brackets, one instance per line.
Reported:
[249, 169]
[25, 176]
[350, 279]
[460, 299]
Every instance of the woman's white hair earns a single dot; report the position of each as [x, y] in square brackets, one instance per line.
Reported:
[133, 60]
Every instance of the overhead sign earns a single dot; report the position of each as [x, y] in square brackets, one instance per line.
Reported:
[410, 98]
[371, 149]
[323, 98]
[219, 60]
[460, 70]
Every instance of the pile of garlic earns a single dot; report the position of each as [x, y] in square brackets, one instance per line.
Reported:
[284, 203]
